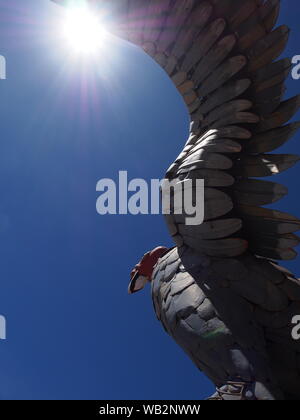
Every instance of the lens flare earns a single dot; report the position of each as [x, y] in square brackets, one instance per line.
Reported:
[83, 31]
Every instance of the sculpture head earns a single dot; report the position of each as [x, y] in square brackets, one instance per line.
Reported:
[142, 272]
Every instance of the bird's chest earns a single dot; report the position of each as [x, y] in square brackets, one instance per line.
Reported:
[194, 301]
[177, 294]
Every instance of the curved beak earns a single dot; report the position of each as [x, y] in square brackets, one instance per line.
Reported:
[137, 283]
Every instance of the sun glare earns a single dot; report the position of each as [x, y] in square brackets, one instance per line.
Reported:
[83, 31]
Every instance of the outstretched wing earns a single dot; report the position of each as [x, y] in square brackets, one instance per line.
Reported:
[221, 55]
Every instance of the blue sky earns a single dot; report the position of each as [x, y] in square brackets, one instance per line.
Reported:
[73, 332]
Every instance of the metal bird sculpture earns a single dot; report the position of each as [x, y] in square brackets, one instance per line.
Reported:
[219, 292]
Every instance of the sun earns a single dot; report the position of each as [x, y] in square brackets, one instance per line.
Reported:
[82, 31]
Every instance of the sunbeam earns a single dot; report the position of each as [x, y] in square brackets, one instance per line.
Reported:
[82, 31]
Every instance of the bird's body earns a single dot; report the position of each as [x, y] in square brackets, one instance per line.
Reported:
[218, 294]
[233, 319]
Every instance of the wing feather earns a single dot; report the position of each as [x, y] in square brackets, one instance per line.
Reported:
[222, 56]
[222, 59]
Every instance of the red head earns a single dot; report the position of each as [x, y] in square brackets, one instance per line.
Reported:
[142, 272]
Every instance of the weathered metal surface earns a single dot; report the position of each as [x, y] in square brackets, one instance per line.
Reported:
[218, 294]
